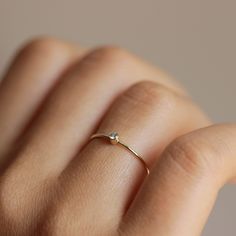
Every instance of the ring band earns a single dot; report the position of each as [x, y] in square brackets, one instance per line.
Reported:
[114, 139]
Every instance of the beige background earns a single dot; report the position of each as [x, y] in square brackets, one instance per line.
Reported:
[193, 40]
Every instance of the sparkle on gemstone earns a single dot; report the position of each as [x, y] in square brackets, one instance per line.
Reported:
[114, 138]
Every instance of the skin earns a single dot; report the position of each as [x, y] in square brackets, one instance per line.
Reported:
[55, 181]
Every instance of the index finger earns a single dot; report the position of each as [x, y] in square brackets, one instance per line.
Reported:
[182, 188]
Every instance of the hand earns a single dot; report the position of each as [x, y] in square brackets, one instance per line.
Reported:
[55, 181]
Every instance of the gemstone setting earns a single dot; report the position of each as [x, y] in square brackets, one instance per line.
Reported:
[114, 138]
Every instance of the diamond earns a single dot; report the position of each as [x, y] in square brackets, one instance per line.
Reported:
[114, 138]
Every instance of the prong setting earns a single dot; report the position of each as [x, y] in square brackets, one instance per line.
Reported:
[114, 138]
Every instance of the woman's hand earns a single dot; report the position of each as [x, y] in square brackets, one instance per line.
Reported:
[55, 181]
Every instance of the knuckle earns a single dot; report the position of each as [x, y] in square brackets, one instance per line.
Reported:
[189, 154]
[43, 48]
[111, 55]
[151, 94]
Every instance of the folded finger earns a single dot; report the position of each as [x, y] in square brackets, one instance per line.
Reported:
[77, 104]
[32, 74]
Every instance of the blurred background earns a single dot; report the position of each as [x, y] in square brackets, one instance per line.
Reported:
[192, 40]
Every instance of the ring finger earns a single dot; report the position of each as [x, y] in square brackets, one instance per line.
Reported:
[148, 117]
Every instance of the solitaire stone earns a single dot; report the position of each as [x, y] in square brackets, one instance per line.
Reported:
[114, 138]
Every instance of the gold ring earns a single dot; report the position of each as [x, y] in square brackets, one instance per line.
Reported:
[114, 139]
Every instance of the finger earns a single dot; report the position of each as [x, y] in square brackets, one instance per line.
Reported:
[67, 119]
[33, 73]
[147, 116]
[181, 191]
[75, 107]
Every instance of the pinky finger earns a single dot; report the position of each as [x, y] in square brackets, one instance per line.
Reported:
[182, 188]
[33, 73]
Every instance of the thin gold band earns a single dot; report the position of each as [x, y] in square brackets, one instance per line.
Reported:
[114, 139]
